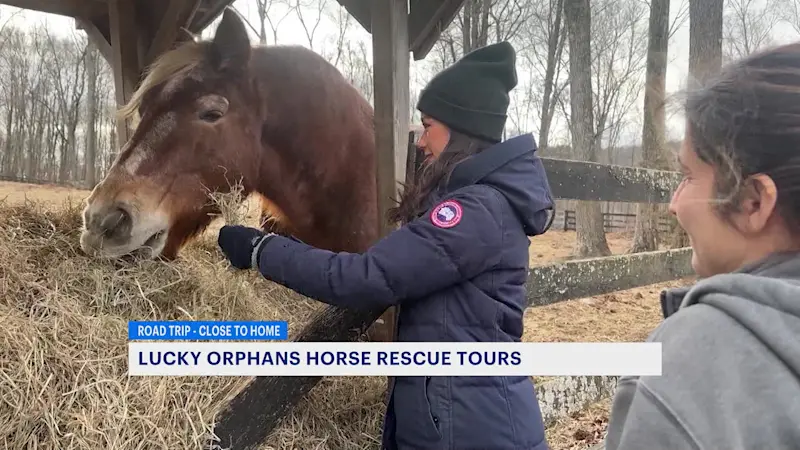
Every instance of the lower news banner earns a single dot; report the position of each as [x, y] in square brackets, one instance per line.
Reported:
[228, 355]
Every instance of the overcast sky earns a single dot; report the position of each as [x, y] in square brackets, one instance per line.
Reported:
[291, 32]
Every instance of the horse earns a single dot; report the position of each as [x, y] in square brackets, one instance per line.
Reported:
[280, 119]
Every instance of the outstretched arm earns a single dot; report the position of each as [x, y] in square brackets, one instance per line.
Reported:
[454, 241]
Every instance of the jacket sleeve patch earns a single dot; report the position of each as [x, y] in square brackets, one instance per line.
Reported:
[447, 214]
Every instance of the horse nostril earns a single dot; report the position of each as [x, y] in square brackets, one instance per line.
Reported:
[117, 222]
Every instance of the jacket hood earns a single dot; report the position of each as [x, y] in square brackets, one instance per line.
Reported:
[513, 168]
[782, 266]
[763, 298]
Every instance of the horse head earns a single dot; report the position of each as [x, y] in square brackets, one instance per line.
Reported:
[280, 120]
[195, 131]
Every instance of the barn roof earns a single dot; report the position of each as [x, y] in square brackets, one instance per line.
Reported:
[196, 14]
[427, 18]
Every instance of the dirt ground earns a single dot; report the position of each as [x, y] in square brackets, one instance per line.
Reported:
[621, 316]
[56, 195]
[581, 431]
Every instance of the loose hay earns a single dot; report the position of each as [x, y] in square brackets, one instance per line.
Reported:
[63, 346]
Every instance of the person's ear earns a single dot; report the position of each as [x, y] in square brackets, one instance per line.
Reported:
[758, 203]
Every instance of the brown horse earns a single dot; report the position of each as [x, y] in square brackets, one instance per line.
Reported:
[279, 119]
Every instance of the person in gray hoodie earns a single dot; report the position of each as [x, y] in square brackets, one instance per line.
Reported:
[731, 342]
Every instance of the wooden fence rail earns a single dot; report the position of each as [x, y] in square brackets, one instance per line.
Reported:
[611, 222]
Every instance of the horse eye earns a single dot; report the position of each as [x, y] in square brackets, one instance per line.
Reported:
[210, 116]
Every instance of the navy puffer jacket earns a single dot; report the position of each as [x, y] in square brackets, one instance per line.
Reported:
[457, 274]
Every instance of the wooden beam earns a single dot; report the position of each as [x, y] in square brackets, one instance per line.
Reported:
[167, 31]
[126, 62]
[192, 14]
[70, 8]
[204, 19]
[255, 411]
[579, 180]
[595, 276]
[391, 99]
[391, 68]
[428, 19]
[361, 10]
[413, 160]
[98, 39]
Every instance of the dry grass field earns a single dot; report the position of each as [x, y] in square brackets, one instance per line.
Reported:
[63, 340]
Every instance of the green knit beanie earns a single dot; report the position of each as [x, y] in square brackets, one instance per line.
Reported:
[471, 96]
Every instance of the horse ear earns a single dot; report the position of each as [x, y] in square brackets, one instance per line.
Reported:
[231, 44]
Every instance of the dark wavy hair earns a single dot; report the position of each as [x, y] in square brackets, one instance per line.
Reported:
[434, 175]
[746, 122]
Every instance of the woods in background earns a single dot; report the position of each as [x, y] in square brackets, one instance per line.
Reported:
[592, 81]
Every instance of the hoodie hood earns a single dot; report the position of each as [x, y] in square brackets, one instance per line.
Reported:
[512, 168]
[731, 366]
[763, 298]
[782, 266]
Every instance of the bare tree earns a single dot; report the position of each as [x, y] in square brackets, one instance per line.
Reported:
[479, 23]
[619, 50]
[681, 16]
[653, 130]
[343, 22]
[68, 73]
[310, 14]
[268, 13]
[705, 60]
[475, 24]
[47, 119]
[528, 25]
[542, 57]
[747, 26]
[90, 168]
[350, 56]
[705, 39]
[789, 12]
[589, 217]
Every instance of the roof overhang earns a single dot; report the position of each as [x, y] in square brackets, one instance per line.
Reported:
[199, 13]
[427, 20]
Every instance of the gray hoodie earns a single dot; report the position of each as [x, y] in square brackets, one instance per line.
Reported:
[731, 367]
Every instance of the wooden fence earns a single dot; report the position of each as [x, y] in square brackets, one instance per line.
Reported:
[612, 222]
[258, 408]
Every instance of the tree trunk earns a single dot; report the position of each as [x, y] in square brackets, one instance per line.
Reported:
[466, 27]
[8, 144]
[591, 238]
[705, 60]
[555, 45]
[705, 39]
[646, 235]
[262, 18]
[91, 119]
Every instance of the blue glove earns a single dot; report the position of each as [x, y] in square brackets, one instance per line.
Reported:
[242, 245]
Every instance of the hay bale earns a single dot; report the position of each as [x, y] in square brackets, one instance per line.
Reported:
[63, 346]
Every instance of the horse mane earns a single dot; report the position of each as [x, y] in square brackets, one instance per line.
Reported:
[177, 61]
